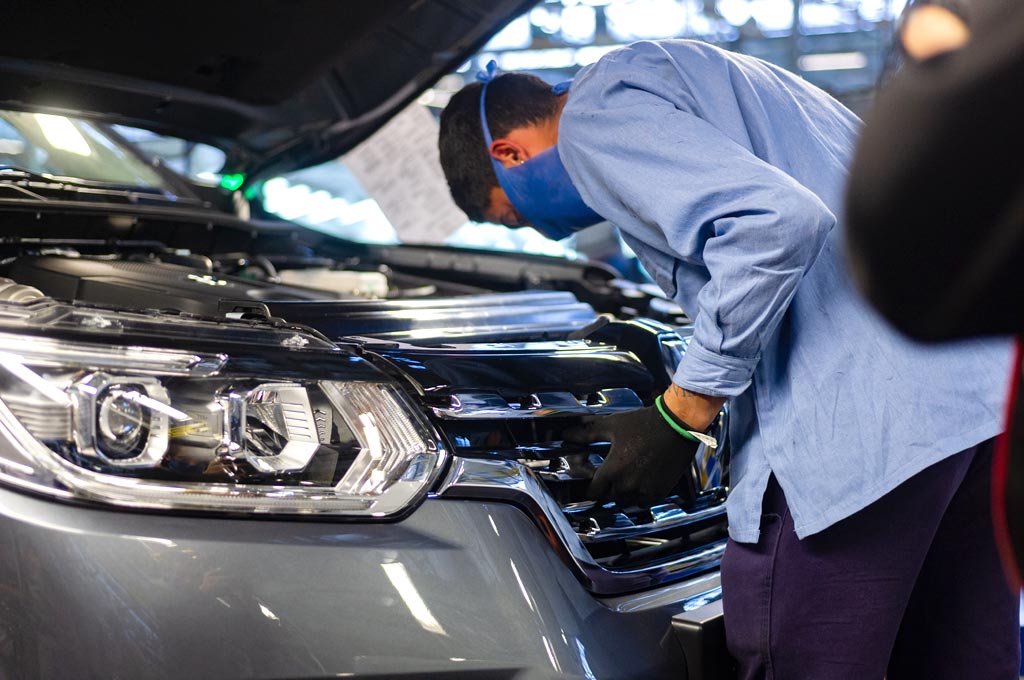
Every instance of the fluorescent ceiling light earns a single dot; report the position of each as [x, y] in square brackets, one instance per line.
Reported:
[62, 134]
[833, 61]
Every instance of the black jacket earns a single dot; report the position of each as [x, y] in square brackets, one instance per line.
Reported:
[935, 204]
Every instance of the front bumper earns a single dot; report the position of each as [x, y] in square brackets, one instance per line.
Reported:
[460, 586]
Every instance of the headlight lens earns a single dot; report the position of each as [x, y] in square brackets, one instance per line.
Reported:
[156, 428]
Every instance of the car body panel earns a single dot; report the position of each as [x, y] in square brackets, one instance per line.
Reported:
[458, 585]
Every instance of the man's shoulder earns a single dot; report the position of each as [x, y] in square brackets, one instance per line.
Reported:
[674, 70]
[656, 65]
[652, 54]
[668, 48]
[634, 63]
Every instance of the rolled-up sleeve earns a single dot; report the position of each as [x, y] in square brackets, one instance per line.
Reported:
[674, 181]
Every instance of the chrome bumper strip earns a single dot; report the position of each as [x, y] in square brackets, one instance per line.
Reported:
[662, 517]
[512, 482]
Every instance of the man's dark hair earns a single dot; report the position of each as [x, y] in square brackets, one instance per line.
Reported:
[514, 100]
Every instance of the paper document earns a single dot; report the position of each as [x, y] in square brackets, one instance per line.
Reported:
[399, 167]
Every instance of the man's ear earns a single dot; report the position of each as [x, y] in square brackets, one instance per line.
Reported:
[508, 152]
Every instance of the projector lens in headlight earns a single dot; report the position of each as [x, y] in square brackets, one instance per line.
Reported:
[123, 424]
[155, 428]
[120, 420]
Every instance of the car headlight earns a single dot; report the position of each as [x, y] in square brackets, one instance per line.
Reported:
[169, 429]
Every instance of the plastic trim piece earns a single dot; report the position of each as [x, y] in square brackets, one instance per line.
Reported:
[701, 634]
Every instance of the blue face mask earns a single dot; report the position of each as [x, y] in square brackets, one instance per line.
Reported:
[540, 188]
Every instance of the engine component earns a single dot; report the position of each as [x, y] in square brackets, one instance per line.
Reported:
[342, 283]
[15, 292]
[144, 285]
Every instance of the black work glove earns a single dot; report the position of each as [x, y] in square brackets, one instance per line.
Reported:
[646, 459]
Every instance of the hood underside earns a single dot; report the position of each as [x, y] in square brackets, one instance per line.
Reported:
[278, 84]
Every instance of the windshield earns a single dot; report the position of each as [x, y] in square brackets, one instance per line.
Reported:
[69, 147]
[331, 199]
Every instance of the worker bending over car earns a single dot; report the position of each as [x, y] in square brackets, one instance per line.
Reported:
[860, 459]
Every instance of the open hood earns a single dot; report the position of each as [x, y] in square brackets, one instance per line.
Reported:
[278, 84]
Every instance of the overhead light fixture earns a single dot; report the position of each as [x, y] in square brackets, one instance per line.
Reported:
[62, 134]
[833, 61]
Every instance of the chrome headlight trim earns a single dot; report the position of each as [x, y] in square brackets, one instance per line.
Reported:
[111, 357]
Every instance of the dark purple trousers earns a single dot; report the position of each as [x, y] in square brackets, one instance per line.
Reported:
[909, 587]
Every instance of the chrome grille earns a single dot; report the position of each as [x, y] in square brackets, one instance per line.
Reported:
[641, 557]
[618, 540]
[503, 407]
[491, 405]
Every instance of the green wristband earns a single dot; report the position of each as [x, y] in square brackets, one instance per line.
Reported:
[672, 421]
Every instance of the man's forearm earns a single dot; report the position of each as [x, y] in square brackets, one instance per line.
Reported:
[696, 410]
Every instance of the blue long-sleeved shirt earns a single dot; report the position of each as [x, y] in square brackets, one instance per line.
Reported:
[725, 175]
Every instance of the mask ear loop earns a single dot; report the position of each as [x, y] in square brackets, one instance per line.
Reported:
[486, 77]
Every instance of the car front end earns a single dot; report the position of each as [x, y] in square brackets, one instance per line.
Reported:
[240, 448]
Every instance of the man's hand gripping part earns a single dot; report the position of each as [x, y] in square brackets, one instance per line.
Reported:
[651, 447]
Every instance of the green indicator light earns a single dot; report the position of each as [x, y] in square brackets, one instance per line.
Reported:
[233, 181]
